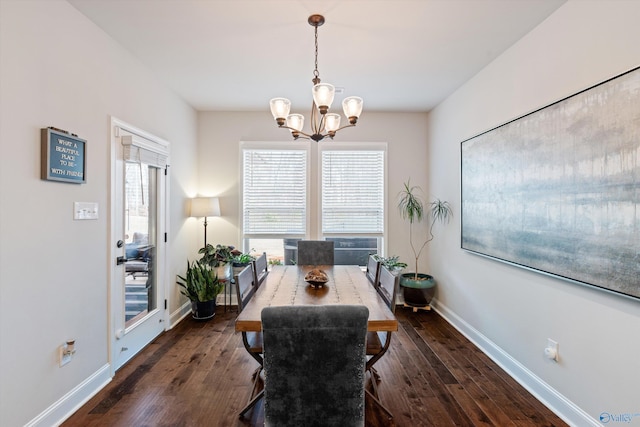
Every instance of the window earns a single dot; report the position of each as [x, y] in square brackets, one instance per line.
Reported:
[352, 192]
[274, 196]
[279, 198]
[353, 200]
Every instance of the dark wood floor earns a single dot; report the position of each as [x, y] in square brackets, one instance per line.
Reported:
[198, 374]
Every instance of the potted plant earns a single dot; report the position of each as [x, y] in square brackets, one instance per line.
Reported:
[275, 261]
[392, 263]
[201, 286]
[218, 257]
[418, 288]
[240, 261]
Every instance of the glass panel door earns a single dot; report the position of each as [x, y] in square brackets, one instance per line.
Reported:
[140, 240]
[138, 306]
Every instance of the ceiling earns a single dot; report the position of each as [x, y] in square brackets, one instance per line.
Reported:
[235, 55]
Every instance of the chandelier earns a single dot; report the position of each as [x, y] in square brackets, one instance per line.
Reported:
[323, 123]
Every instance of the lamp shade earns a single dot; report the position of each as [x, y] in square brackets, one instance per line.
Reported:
[280, 108]
[332, 122]
[352, 106]
[323, 94]
[295, 121]
[205, 206]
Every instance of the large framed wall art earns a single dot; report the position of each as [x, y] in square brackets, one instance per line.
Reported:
[558, 190]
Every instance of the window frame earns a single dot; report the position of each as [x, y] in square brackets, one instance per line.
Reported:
[314, 188]
[244, 145]
[351, 146]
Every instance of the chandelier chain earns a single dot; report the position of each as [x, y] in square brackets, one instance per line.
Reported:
[316, 74]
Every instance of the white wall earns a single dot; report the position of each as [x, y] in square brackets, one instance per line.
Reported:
[58, 69]
[511, 311]
[219, 135]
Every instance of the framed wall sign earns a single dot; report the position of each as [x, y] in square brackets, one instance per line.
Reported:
[63, 156]
[558, 190]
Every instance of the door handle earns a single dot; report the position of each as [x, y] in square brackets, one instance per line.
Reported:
[121, 260]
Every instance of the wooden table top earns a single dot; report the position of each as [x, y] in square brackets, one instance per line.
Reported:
[347, 284]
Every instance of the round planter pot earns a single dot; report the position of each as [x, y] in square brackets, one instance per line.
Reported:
[237, 268]
[417, 293]
[203, 310]
[224, 271]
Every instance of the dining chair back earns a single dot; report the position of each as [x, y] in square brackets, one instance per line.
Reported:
[373, 270]
[252, 341]
[387, 286]
[315, 252]
[314, 363]
[244, 287]
[260, 271]
[378, 343]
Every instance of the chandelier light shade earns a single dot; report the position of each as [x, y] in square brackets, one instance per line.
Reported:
[280, 108]
[352, 107]
[322, 122]
[323, 94]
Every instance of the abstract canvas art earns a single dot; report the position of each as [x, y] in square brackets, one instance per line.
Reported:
[558, 190]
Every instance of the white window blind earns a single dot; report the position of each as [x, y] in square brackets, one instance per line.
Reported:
[141, 150]
[274, 191]
[353, 191]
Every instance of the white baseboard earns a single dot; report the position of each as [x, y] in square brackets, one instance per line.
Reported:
[176, 317]
[185, 309]
[55, 414]
[550, 397]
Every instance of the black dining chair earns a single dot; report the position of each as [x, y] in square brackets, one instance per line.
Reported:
[245, 289]
[373, 270]
[260, 271]
[314, 363]
[315, 252]
[378, 342]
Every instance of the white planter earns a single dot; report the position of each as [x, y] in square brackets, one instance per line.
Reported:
[238, 270]
[224, 271]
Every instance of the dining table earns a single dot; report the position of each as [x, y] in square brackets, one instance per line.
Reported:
[286, 285]
[346, 284]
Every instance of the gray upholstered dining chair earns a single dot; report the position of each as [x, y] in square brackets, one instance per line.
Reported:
[314, 363]
[315, 252]
[245, 289]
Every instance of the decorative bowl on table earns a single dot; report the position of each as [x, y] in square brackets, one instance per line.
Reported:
[316, 278]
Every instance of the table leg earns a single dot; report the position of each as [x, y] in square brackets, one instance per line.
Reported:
[377, 402]
[255, 397]
[252, 403]
[233, 282]
[374, 395]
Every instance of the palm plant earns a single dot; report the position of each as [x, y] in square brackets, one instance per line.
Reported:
[412, 208]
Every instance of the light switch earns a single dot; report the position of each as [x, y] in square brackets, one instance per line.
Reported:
[85, 210]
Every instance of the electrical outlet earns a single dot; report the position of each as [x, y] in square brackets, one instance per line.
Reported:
[551, 351]
[64, 356]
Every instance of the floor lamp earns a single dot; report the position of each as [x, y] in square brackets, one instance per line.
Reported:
[205, 207]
